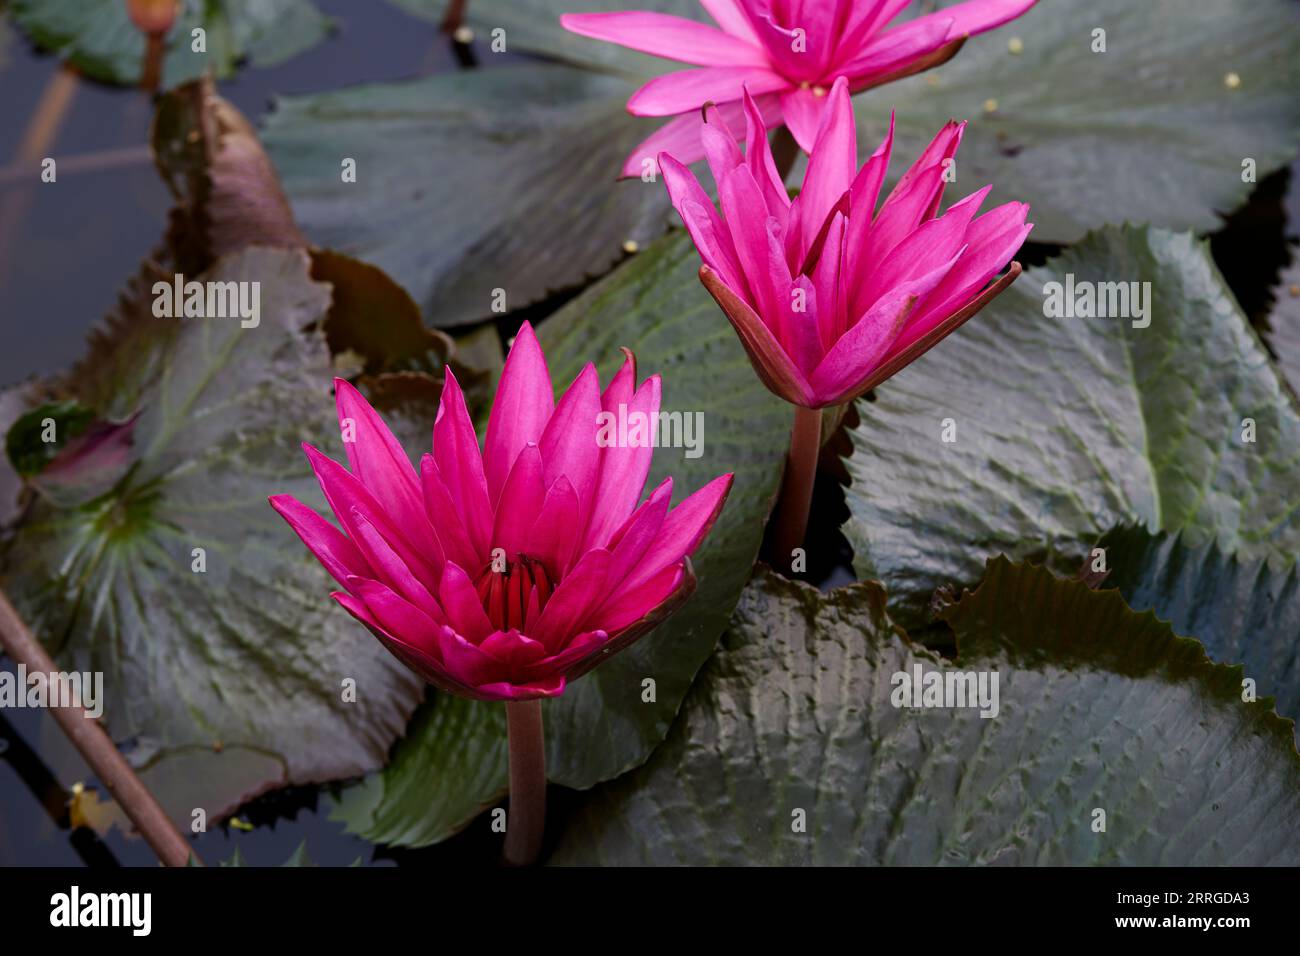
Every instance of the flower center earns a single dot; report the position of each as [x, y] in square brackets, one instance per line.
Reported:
[507, 590]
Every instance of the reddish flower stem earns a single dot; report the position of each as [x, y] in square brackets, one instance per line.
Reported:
[527, 820]
[797, 485]
[98, 749]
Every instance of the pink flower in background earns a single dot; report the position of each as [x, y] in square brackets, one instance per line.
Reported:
[501, 575]
[786, 52]
[829, 300]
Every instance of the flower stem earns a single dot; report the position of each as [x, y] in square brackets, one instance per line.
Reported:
[527, 820]
[797, 486]
[98, 749]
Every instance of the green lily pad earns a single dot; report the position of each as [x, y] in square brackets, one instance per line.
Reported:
[1243, 611]
[1099, 709]
[1067, 427]
[1152, 130]
[479, 192]
[231, 659]
[602, 726]
[99, 38]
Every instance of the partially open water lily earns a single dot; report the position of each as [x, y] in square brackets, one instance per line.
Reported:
[787, 53]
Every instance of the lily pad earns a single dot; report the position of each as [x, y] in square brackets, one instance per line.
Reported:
[1155, 129]
[603, 725]
[790, 750]
[479, 192]
[1244, 611]
[1067, 427]
[99, 38]
[219, 647]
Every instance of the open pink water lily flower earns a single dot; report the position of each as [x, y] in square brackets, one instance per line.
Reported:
[829, 300]
[786, 52]
[502, 575]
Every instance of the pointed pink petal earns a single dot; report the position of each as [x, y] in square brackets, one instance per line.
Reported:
[379, 462]
[685, 90]
[894, 49]
[711, 237]
[533, 690]
[623, 470]
[460, 465]
[758, 156]
[391, 570]
[630, 543]
[682, 531]
[445, 516]
[568, 445]
[661, 34]
[554, 534]
[980, 16]
[575, 596]
[460, 603]
[929, 245]
[514, 650]
[802, 111]
[852, 359]
[833, 164]
[332, 547]
[680, 137]
[629, 604]
[522, 407]
[521, 502]
[343, 491]
[405, 622]
[731, 16]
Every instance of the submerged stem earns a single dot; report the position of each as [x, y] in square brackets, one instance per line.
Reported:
[797, 486]
[527, 821]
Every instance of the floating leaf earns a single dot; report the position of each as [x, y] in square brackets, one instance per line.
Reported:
[212, 628]
[1284, 325]
[478, 191]
[99, 38]
[602, 725]
[1244, 611]
[1066, 427]
[1099, 708]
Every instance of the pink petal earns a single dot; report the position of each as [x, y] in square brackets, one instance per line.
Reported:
[682, 531]
[445, 516]
[575, 596]
[628, 605]
[661, 34]
[379, 462]
[623, 470]
[758, 156]
[460, 464]
[461, 604]
[568, 445]
[686, 90]
[545, 687]
[405, 622]
[391, 570]
[731, 16]
[980, 16]
[332, 547]
[680, 137]
[833, 164]
[711, 237]
[521, 502]
[522, 407]
[851, 359]
[555, 532]
[896, 48]
[802, 111]
[630, 543]
[344, 492]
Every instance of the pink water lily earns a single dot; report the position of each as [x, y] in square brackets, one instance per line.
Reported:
[786, 52]
[503, 575]
[828, 295]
